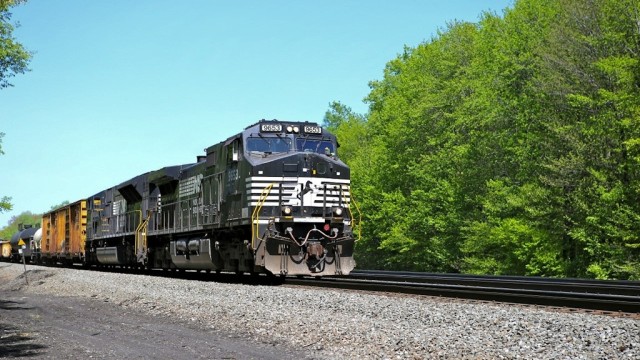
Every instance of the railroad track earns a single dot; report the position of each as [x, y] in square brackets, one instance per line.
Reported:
[604, 295]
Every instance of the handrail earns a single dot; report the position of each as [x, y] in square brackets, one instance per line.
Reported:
[355, 223]
[141, 235]
[256, 213]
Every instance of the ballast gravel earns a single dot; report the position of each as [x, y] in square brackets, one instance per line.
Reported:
[334, 324]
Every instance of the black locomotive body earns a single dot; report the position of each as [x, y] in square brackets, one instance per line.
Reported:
[274, 198]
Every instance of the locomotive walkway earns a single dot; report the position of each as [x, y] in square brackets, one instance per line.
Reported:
[603, 295]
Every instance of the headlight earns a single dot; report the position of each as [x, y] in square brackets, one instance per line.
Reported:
[296, 129]
[338, 211]
[286, 210]
[289, 128]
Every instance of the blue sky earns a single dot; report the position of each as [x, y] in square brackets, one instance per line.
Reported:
[118, 88]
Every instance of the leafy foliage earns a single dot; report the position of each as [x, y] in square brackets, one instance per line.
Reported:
[13, 57]
[64, 203]
[25, 218]
[5, 204]
[510, 146]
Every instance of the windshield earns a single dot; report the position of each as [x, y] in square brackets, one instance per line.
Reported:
[268, 145]
[315, 145]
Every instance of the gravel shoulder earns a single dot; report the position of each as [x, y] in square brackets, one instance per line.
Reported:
[75, 313]
[75, 328]
[52, 326]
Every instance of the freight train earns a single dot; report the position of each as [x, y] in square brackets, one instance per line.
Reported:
[274, 199]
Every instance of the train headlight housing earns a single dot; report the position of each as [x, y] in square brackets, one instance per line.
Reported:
[338, 211]
[286, 210]
[293, 129]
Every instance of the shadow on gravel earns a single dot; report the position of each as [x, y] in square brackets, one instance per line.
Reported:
[12, 305]
[228, 278]
[25, 279]
[14, 343]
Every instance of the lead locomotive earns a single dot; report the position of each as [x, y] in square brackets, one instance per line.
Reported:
[274, 198]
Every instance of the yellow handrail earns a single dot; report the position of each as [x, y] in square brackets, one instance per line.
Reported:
[141, 234]
[256, 214]
[353, 222]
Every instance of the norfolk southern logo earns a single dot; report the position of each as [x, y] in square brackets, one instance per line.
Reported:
[307, 189]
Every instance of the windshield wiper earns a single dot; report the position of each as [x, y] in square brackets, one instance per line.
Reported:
[265, 139]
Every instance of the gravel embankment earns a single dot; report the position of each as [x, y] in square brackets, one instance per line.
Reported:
[347, 325]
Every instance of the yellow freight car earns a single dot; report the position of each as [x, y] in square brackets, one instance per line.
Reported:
[6, 249]
[64, 233]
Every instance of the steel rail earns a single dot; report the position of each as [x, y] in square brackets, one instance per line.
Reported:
[572, 293]
[572, 285]
[410, 274]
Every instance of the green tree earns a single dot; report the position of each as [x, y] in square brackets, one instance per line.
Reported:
[514, 230]
[25, 218]
[355, 150]
[64, 203]
[349, 127]
[14, 58]
[510, 146]
[5, 204]
[592, 76]
[419, 147]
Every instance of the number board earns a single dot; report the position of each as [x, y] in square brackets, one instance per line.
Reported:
[270, 127]
[312, 129]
